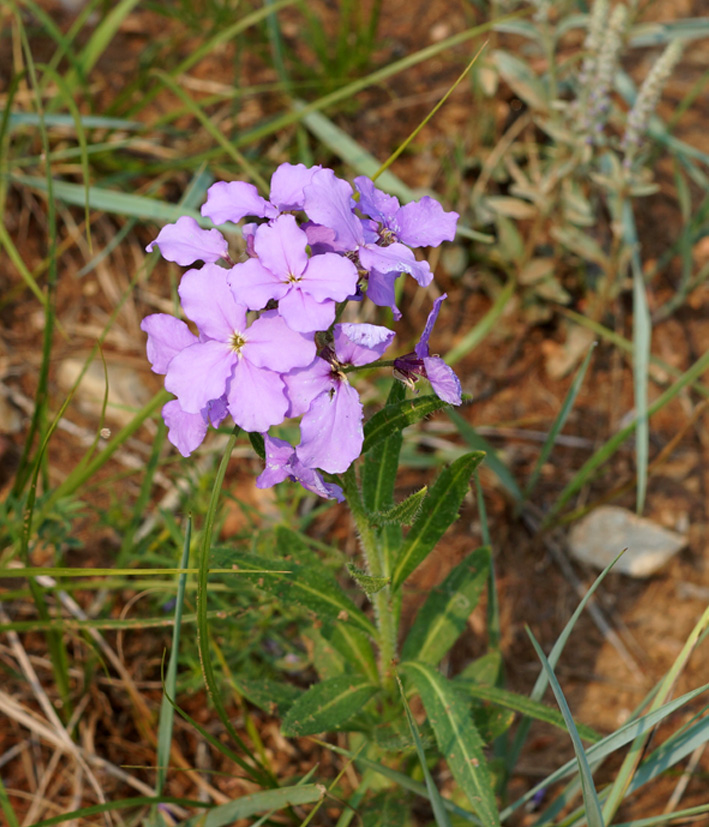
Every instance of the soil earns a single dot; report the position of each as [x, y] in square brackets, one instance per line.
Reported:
[516, 395]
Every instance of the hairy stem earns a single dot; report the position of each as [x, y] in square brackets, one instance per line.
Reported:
[377, 566]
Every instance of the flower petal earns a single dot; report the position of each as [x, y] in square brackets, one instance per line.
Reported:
[200, 373]
[422, 346]
[253, 285]
[287, 184]
[278, 457]
[331, 430]
[444, 382]
[256, 397]
[375, 203]
[167, 336]
[330, 276]
[186, 431]
[185, 242]
[360, 344]
[280, 246]
[271, 344]
[303, 313]
[207, 300]
[396, 258]
[304, 384]
[328, 201]
[425, 223]
[231, 201]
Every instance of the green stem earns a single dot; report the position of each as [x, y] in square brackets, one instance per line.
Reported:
[377, 566]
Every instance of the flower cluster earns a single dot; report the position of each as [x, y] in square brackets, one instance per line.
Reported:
[267, 345]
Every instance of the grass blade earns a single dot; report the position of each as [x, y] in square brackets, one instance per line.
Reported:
[590, 796]
[166, 718]
[439, 811]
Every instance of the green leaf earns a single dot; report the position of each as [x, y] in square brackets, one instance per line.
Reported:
[434, 796]
[458, 740]
[444, 615]
[439, 512]
[328, 705]
[370, 584]
[386, 809]
[403, 513]
[273, 697]
[114, 201]
[591, 802]
[521, 704]
[393, 418]
[380, 465]
[354, 646]
[301, 585]
[262, 802]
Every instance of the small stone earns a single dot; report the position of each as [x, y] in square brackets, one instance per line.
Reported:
[600, 536]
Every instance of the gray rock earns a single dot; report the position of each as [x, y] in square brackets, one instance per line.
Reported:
[600, 536]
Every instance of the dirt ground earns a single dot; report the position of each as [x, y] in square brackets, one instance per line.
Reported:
[514, 399]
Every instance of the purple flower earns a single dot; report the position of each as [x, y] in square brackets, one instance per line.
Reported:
[419, 224]
[331, 427]
[185, 242]
[231, 358]
[232, 201]
[186, 431]
[444, 382]
[282, 463]
[329, 202]
[168, 336]
[306, 288]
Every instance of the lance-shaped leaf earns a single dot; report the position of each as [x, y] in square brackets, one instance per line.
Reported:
[274, 697]
[403, 513]
[354, 646]
[458, 740]
[302, 585]
[328, 705]
[444, 615]
[468, 689]
[393, 418]
[439, 511]
[380, 465]
[265, 801]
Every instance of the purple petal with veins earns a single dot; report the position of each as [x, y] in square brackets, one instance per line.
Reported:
[207, 300]
[186, 431]
[287, 184]
[425, 223]
[328, 201]
[444, 382]
[360, 344]
[422, 346]
[185, 242]
[233, 200]
[331, 430]
[256, 397]
[167, 336]
[396, 258]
